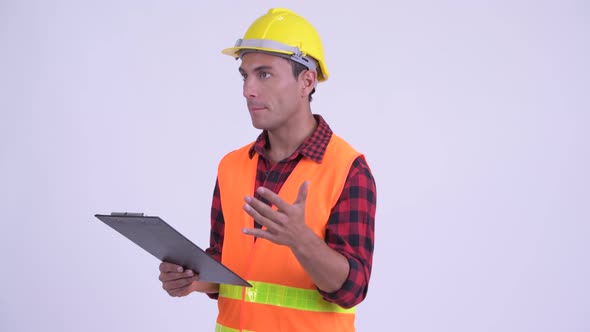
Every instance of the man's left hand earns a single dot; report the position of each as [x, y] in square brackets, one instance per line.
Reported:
[284, 226]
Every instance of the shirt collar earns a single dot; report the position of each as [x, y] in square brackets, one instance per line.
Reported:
[313, 147]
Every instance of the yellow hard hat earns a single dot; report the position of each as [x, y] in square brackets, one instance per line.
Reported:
[282, 31]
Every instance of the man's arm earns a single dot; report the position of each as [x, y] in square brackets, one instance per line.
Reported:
[326, 267]
[351, 232]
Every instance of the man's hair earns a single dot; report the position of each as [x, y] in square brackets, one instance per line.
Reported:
[298, 69]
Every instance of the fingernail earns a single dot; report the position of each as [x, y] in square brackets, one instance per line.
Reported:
[245, 230]
[248, 199]
[190, 273]
[247, 207]
[179, 269]
[260, 190]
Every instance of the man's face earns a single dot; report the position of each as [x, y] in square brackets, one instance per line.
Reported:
[272, 93]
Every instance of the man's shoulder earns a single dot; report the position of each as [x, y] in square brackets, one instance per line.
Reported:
[237, 153]
[342, 144]
[344, 147]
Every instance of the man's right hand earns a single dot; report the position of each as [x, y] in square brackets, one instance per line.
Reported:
[178, 281]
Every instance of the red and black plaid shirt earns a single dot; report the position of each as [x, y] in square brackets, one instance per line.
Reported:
[350, 228]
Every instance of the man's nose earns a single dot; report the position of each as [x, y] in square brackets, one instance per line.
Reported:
[250, 89]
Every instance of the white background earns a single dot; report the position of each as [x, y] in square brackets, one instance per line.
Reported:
[474, 117]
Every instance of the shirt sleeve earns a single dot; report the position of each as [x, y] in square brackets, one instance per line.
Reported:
[351, 232]
[217, 230]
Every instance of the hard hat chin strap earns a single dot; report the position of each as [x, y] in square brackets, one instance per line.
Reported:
[270, 45]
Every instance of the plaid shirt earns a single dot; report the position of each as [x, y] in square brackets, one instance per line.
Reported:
[350, 228]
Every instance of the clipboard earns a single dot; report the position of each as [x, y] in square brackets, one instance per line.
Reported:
[164, 242]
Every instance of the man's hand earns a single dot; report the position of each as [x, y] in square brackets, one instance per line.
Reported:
[284, 226]
[327, 268]
[176, 280]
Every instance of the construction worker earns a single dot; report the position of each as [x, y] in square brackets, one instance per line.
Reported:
[292, 212]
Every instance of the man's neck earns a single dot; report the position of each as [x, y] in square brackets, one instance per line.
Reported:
[284, 141]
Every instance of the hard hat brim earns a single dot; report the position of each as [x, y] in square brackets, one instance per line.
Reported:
[235, 52]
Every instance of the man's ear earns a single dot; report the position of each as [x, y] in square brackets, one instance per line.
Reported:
[308, 80]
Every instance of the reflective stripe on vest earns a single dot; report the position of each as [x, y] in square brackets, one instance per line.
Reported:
[282, 296]
[221, 328]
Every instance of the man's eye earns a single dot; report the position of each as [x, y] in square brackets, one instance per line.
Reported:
[244, 77]
[264, 74]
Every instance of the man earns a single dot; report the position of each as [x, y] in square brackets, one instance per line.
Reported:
[307, 250]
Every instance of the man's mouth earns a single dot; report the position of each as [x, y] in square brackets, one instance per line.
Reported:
[253, 107]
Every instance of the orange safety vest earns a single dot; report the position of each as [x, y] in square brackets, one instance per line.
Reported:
[283, 297]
